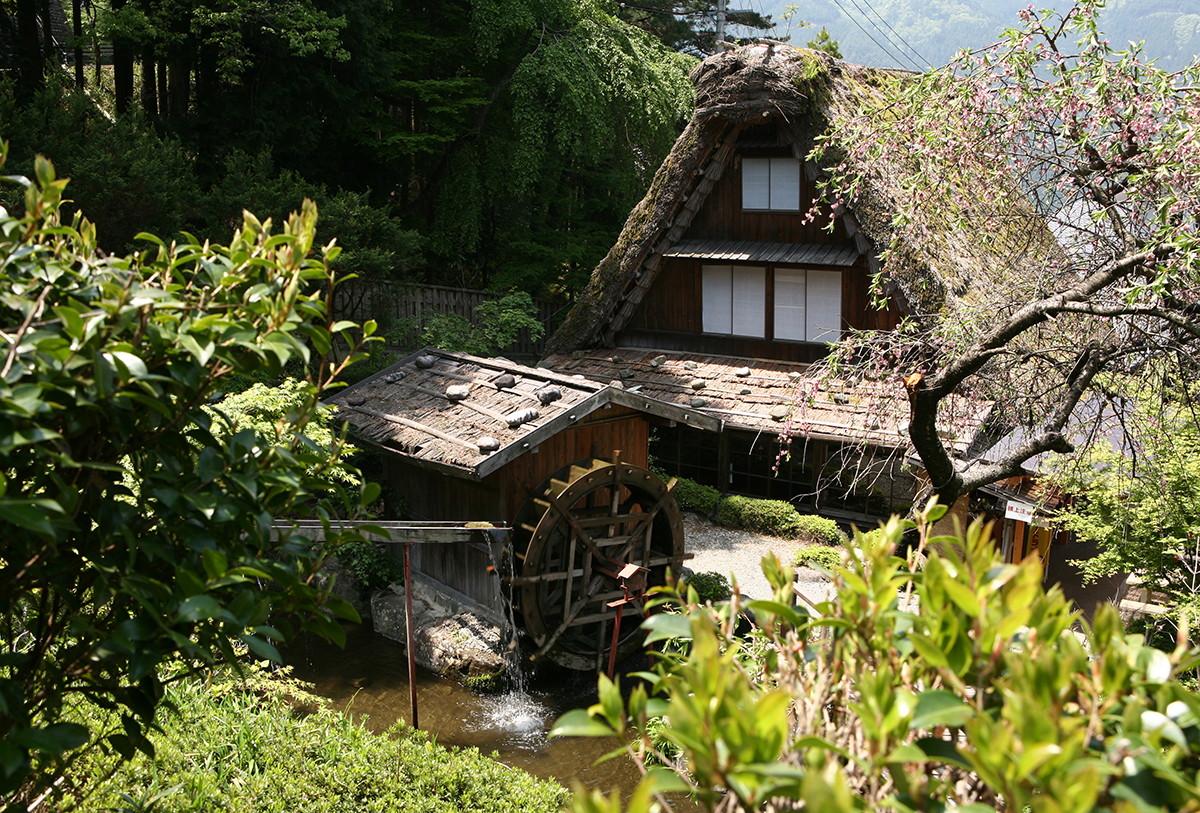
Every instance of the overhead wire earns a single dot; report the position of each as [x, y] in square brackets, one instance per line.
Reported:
[885, 48]
[867, 3]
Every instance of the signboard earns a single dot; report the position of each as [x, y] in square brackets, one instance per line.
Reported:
[1023, 512]
[1020, 511]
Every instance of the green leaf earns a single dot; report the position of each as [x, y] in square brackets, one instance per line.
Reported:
[796, 616]
[939, 707]
[200, 607]
[56, 738]
[666, 627]
[261, 648]
[578, 723]
[941, 750]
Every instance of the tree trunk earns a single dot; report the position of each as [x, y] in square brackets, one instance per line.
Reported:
[149, 87]
[179, 86]
[77, 30]
[164, 99]
[122, 66]
[48, 55]
[29, 56]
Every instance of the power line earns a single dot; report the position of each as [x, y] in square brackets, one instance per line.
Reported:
[867, 3]
[886, 38]
[885, 48]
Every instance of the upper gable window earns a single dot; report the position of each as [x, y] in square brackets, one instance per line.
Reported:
[771, 183]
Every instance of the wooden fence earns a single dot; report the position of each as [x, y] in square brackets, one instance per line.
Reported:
[392, 304]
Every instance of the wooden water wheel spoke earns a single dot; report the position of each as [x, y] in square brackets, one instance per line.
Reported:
[578, 534]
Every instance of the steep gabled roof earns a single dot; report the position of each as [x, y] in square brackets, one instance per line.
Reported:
[803, 92]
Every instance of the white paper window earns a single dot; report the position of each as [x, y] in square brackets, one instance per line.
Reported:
[771, 183]
[749, 301]
[824, 306]
[734, 300]
[756, 183]
[808, 305]
[718, 298]
[790, 304]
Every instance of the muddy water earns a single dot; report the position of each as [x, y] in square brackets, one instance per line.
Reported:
[369, 679]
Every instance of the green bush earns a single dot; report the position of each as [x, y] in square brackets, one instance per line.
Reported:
[239, 745]
[819, 531]
[710, 586]
[371, 563]
[693, 496]
[774, 517]
[824, 556]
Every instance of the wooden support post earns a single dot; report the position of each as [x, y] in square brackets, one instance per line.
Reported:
[408, 637]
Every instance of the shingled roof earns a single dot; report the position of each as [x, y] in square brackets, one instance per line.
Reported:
[468, 416]
[803, 92]
[769, 396]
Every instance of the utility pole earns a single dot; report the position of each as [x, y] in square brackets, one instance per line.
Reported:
[720, 20]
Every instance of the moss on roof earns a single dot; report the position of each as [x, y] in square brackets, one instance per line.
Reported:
[803, 92]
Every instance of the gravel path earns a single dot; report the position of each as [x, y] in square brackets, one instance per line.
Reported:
[736, 553]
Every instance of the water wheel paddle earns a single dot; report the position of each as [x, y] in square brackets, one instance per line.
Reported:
[572, 539]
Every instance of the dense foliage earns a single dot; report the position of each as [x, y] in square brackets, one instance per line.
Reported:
[983, 698]
[1081, 165]
[138, 521]
[1141, 503]
[479, 143]
[257, 743]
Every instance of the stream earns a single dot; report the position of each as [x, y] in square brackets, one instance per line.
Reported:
[369, 681]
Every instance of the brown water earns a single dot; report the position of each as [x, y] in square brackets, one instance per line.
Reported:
[369, 681]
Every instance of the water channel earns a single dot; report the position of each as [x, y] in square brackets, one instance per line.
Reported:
[369, 680]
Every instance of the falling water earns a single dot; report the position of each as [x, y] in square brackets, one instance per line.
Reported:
[515, 712]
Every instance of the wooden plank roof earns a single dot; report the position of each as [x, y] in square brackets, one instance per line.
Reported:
[409, 409]
[773, 396]
[747, 251]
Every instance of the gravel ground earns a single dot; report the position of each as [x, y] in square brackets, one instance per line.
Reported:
[736, 553]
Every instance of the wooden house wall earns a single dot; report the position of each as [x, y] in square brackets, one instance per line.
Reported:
[607, 430]
[670, 316]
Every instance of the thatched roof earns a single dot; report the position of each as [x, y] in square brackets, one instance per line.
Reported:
[410, 409]
[803, 92]
[769, 396]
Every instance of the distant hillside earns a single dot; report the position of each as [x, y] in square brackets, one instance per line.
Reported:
[935, 29]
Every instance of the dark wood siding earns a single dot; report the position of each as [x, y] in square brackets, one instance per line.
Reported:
[608, 430]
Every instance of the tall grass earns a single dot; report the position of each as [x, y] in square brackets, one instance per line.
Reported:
[264, 744]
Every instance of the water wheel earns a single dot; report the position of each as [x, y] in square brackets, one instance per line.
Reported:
[572, 539]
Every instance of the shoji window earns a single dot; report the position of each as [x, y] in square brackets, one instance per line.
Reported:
[734, 300]
[808, 305]
[771, 183]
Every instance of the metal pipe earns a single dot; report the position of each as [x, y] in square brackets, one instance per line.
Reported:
[408, 637]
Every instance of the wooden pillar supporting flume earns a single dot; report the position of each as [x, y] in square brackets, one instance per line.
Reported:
[408, 637]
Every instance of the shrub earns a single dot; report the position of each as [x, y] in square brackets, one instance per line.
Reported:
[869, 541]
[710, 586]
[371, 563]
[1040, 720]
[693, 496]
[824, 556]
[774, 517]
[819, 531]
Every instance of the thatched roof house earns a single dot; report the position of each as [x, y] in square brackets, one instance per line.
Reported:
[802, 93]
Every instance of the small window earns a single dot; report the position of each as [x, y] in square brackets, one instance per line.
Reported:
[734, 300]
[771, 183]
